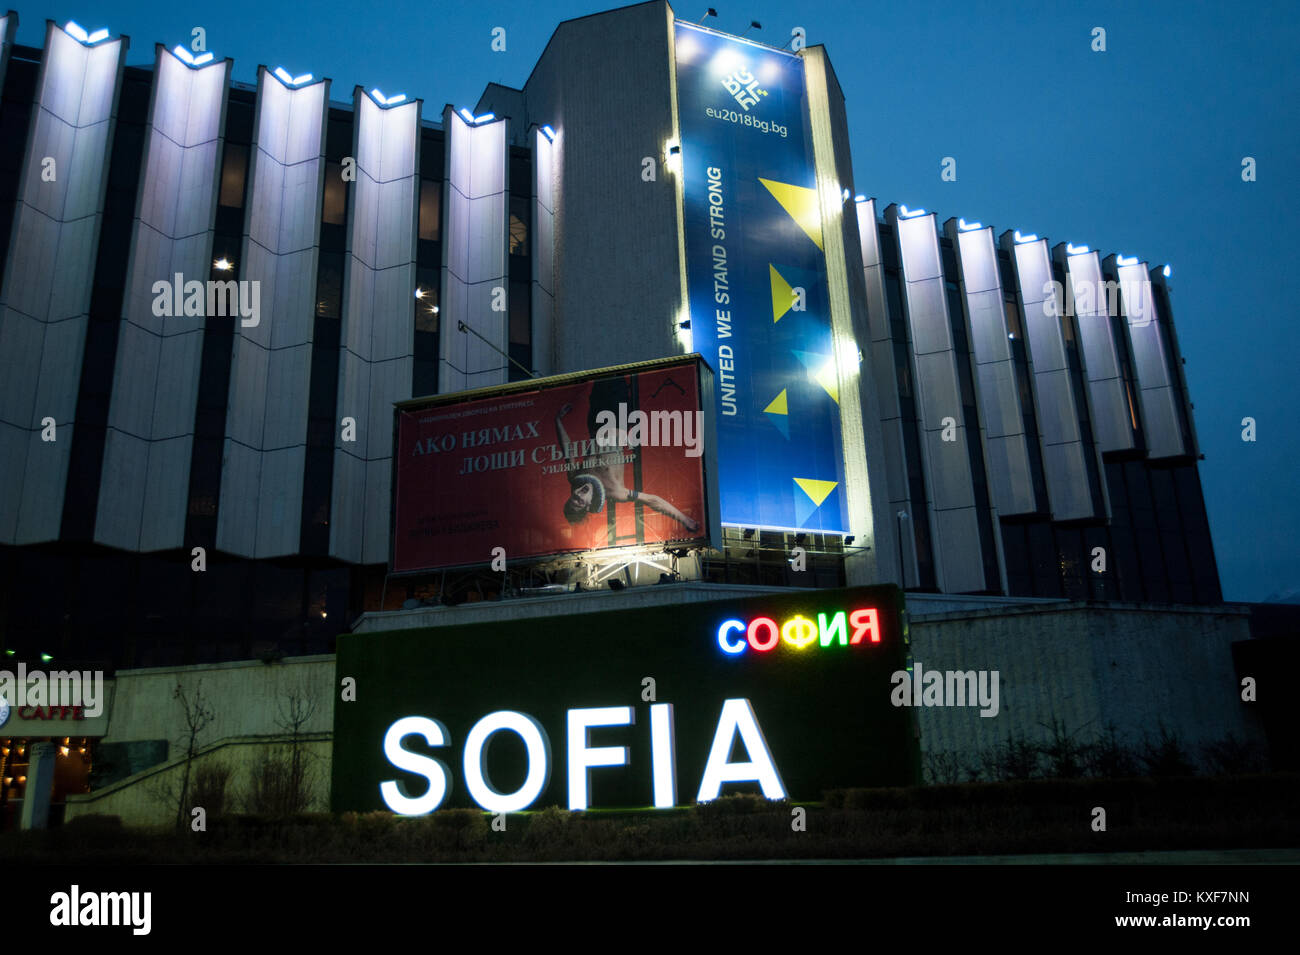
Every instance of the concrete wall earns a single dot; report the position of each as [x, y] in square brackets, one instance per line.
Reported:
[870, 516]
[145, 486]
[1139, 666]
[378, 323]
[45, 297]
[149, 798]
[604, 83]
[260, 513]
[249, 703]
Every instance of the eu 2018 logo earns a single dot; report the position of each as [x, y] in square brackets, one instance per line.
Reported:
[744, 88]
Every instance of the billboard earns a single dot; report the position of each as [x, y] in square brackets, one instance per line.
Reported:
[756, 281]
[606, 459]
[785, 695]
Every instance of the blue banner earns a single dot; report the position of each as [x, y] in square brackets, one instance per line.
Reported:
[756, 282]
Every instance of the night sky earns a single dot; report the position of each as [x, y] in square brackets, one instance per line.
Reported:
[1136, 150]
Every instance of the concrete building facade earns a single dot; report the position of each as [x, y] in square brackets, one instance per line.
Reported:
[209, 309]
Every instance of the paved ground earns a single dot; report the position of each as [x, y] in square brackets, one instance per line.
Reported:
[1183, 857]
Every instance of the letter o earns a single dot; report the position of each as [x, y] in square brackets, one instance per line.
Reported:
[774, 634]
[538, 747]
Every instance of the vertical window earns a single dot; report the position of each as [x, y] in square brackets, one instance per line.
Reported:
[518, 226]
[430, 209]
[234, 171]
[334, 210]
[329, 285]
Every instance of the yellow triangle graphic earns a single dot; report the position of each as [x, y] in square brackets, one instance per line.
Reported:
[801, 203]
[816, 490]
[825, 376]
[782, 294]
[778, 405]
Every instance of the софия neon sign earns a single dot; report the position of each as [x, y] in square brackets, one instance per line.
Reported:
[764, 634]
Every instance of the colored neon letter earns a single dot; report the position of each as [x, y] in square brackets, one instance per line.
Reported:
[727, 645]
[583, 758]
[828, 631]
[864, 620]
[773, 634]
[477, 782]
[395, 797]
[798, 632]
[738, 716]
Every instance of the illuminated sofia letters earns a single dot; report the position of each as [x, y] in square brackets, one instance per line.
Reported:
[736, 719]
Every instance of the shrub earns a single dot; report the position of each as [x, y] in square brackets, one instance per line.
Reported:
[211, 788]
[1064, 754]
[280, 785]
[1017, 758]
[1109, 757]
[1232, 756]
[1164, 755]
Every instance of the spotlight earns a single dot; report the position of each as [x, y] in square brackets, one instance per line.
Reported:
[848, 541]
[292, 81]
[386, 101]
[189, 59]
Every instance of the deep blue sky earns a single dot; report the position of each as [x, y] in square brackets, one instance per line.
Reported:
[1136, 150]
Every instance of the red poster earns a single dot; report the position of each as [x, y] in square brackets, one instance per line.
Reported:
[614, 461]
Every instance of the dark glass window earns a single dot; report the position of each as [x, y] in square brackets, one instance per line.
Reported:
[431, 154]
[338, 135]
[520, 325]
[329, 285]
[521, 173]
[335, 206]
[426, 310]
[518, 226]
[430, 209]
[234, 173]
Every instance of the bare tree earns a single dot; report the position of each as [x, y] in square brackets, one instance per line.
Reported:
[197, 714]
[284, 780]
[294, 713]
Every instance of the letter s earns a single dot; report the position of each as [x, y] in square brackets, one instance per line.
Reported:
[395, 798]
